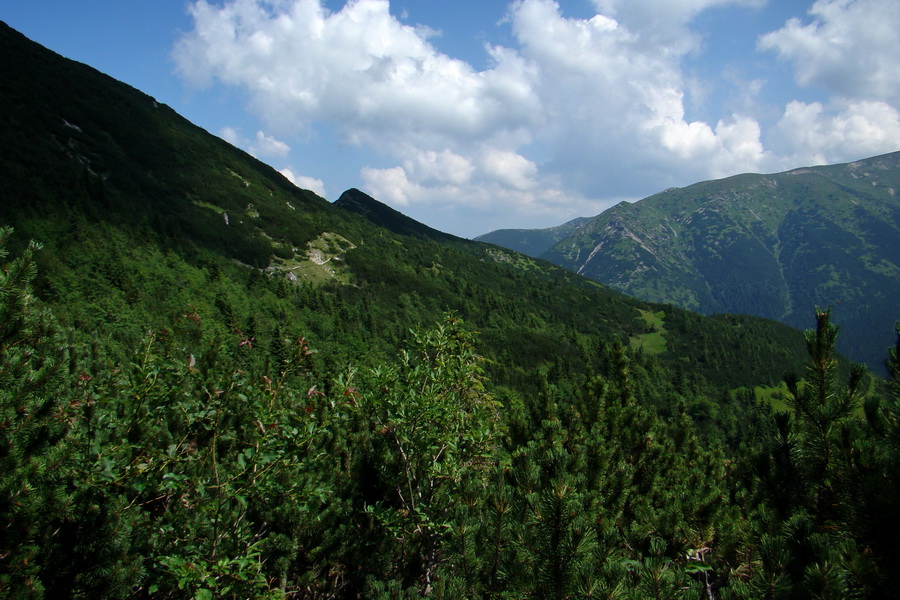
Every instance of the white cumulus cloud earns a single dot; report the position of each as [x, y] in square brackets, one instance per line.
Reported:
[615, 104]
[818, 136]
[849, 47]
[663, 27]
[267, 145]
[391, 185]
[231, 135]
[508, 168]
[380, 80]
[570, 116]
[438, 167]
[263, 144]
[305, 182]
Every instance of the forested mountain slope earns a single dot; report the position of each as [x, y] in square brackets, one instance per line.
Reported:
[774, 246]
[124, 193]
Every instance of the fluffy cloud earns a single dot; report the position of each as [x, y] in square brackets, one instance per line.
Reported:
[850, 48]
[263, 144]
[576, 114]
[443, 167]
[614, 100]
[508, 168]
[231, 135]
[484, 203]
[360, 67]
[662, 27]
[817, 136]
[302, 181]
[267, 145]
[493, 177]
[391, 185]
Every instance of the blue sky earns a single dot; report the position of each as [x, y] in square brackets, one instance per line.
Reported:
[475, 115]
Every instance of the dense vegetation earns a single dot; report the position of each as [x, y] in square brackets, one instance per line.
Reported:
[214, 384]
[220, 469]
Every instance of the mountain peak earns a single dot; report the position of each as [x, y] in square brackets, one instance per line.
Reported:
[381, 214]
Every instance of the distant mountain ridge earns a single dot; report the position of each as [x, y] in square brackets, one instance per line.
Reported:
[532, 242]
[774, 246]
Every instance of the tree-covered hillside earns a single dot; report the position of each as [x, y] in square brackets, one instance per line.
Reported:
[146, 218]
[210, 466]
[774, 246]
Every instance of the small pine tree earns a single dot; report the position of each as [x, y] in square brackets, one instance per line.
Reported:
[34, 424]
[811, 484]
[823, 409]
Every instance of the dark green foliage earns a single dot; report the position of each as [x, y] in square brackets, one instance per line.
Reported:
[822, 409]
[34, 458]
[877, 484]
[229, 468]
[432, 435]
[823, 488]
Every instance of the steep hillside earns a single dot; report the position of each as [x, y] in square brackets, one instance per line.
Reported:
[532, 242]
[77, 142]
[774, 246]
[148, 220]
